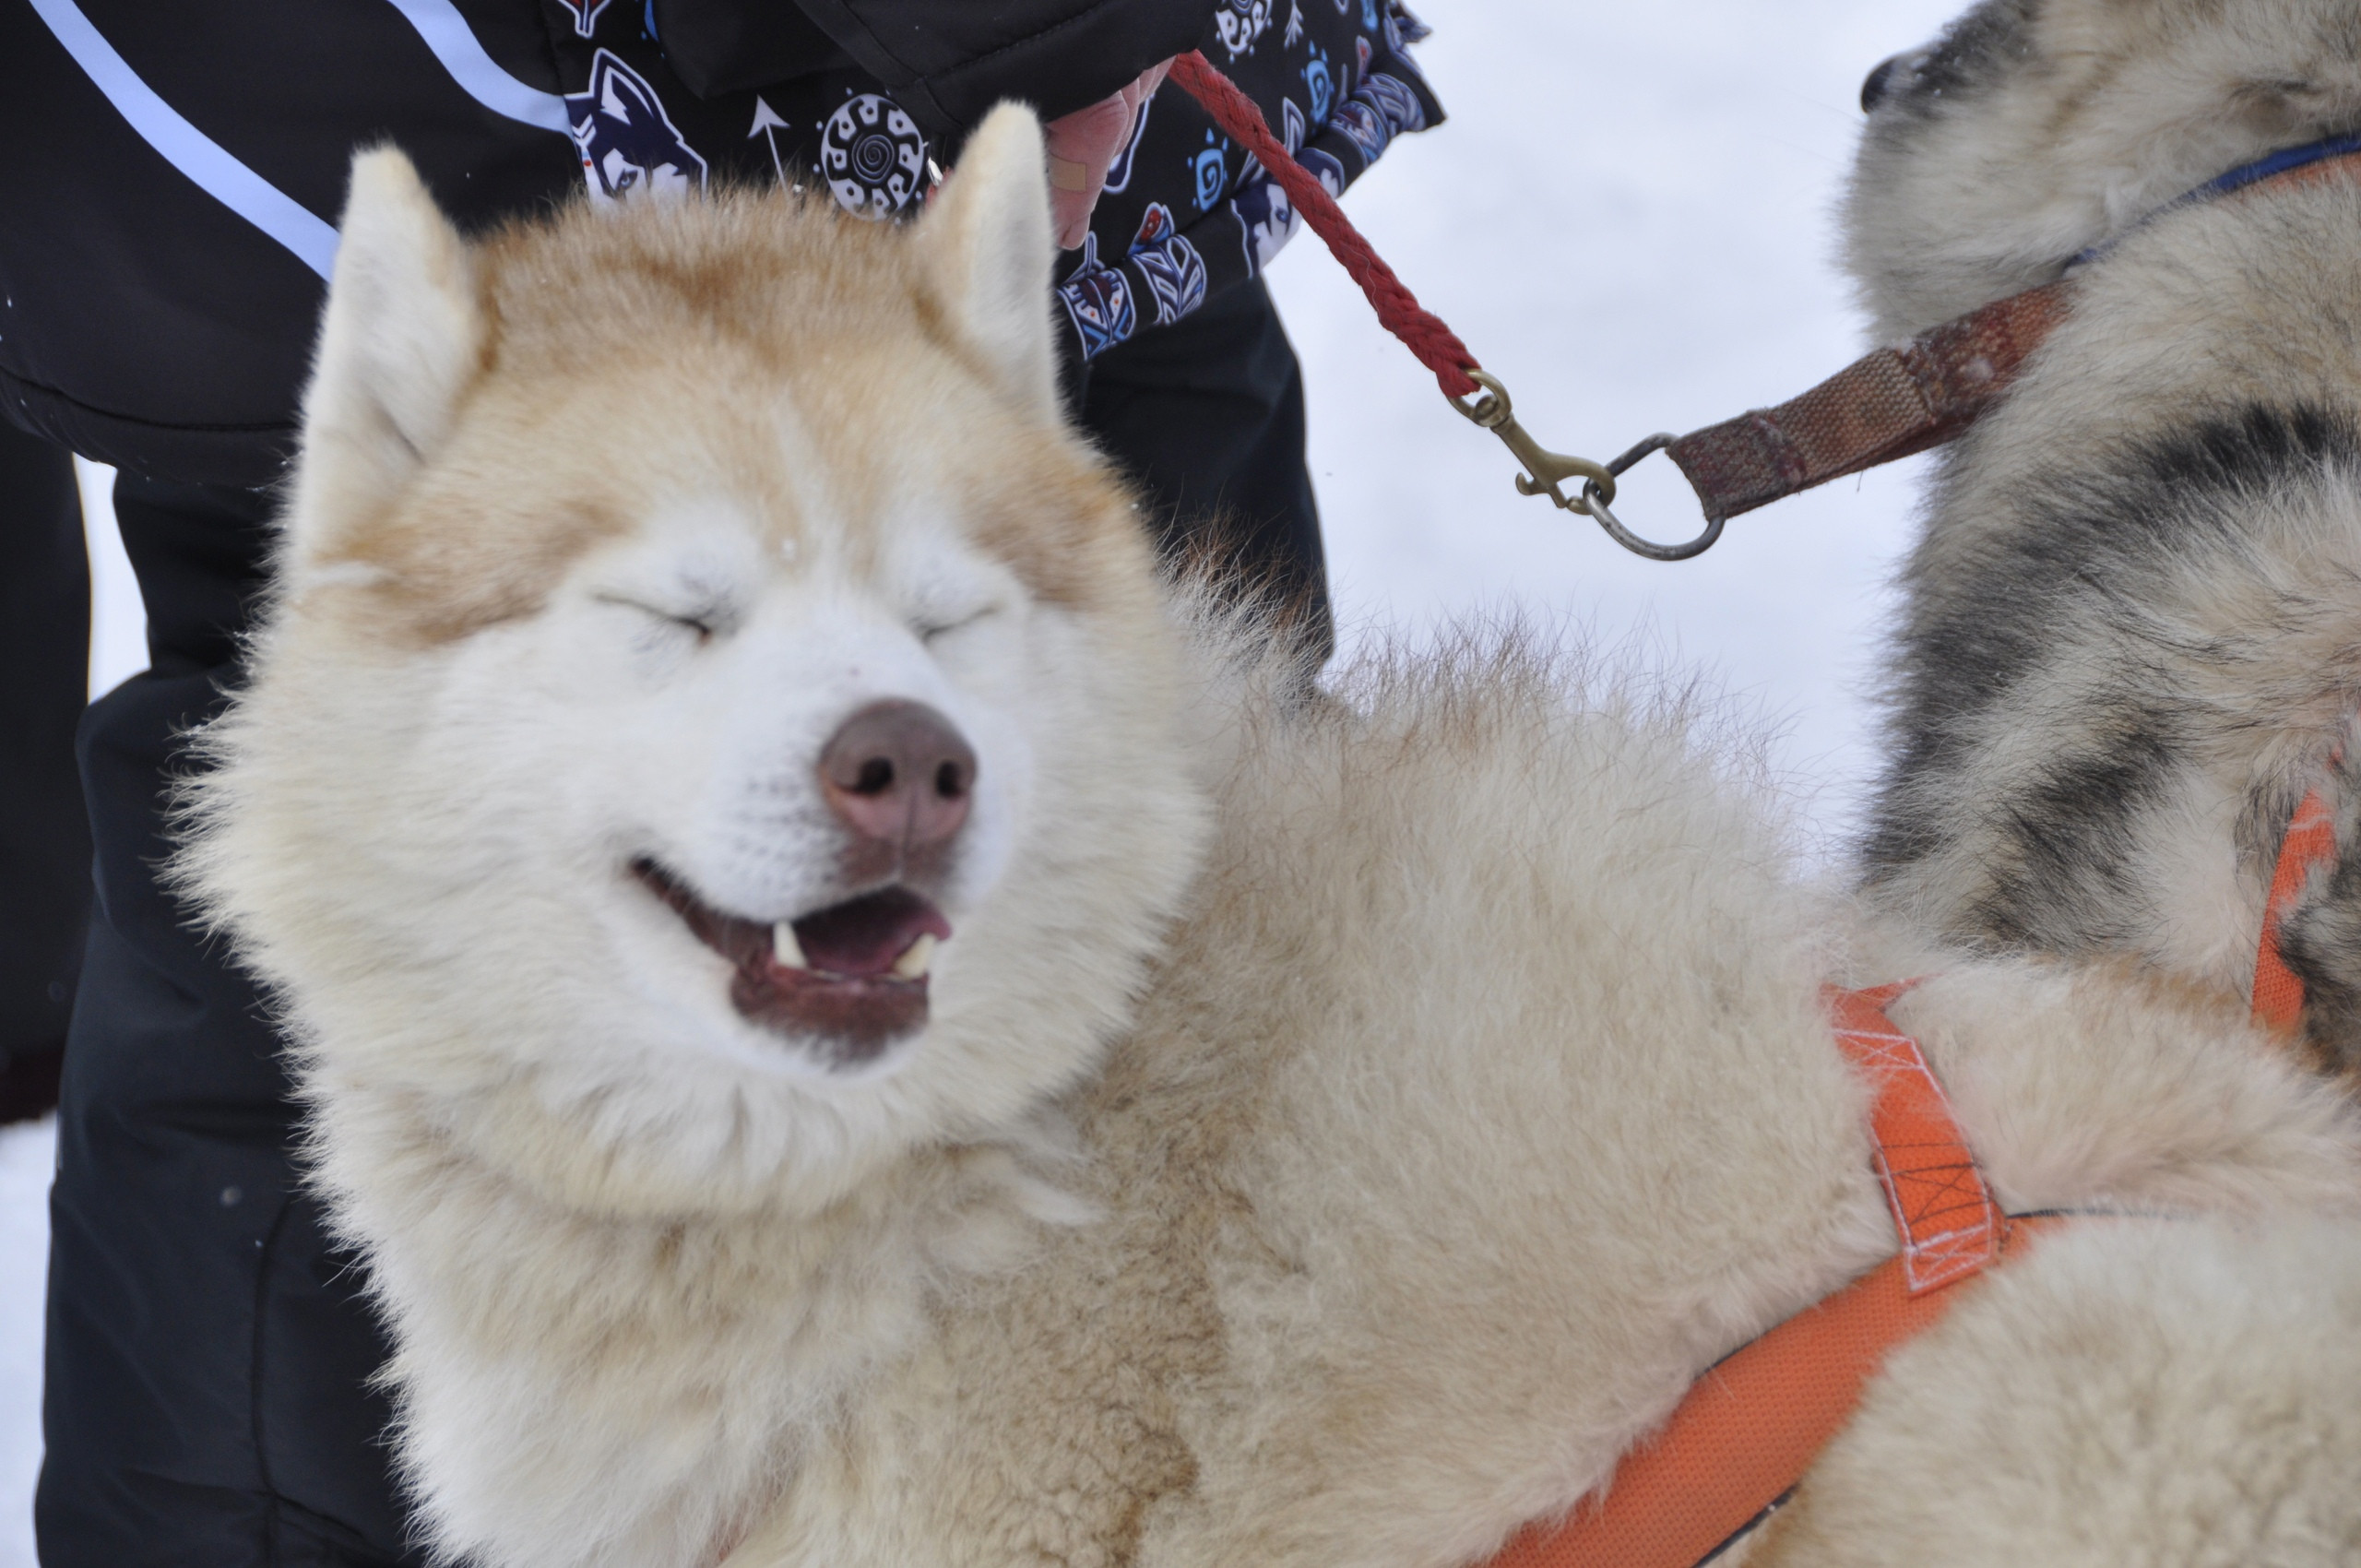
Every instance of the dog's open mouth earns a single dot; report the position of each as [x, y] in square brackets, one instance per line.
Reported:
[853, 974]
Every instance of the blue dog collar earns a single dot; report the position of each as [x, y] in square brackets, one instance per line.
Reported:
[2266, 167]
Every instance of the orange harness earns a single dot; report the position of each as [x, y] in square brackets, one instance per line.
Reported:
[2311, 840]
[1751, 1427]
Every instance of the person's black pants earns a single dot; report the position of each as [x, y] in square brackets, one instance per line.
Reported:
[1207, 416]
[205, 1352]
[44, 837]
[207, 1349]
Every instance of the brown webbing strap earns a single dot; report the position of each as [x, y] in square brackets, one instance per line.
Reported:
[1888, 405]
[1898, 402]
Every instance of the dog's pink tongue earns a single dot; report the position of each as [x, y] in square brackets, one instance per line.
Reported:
[863, 938]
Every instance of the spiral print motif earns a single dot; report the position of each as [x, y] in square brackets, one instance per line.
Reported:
[873, 157]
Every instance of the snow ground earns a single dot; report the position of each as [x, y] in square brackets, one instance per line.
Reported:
[25, 1155]
[1628, 220]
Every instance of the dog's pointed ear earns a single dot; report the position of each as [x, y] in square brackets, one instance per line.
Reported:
[401, 339]
[988, 252]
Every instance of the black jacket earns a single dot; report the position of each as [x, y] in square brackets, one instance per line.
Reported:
[165, 214]
[944, 63]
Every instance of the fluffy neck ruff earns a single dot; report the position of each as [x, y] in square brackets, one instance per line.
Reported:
[590, 1389]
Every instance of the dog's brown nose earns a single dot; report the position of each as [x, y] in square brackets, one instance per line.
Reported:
[899, 773]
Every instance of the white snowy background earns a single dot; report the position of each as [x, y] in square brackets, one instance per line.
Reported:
[1629, 219]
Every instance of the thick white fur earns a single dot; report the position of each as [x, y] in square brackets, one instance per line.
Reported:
[2183, 1359]
[1344, 1126]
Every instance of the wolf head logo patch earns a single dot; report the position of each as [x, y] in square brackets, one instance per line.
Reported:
[625, 139]
[1266, 216]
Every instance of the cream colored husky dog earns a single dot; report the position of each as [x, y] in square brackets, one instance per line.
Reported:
[856, 1031]
[2133, 634]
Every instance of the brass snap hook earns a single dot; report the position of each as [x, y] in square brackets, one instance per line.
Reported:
[1544, 470]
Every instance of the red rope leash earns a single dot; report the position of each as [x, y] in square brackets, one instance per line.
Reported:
[1437, 348]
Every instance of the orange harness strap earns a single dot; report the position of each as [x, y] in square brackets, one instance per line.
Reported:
[2311, 839]
[1949, 1226]
[1752, 1425]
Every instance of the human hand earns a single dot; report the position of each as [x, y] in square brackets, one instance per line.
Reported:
[1083, 145]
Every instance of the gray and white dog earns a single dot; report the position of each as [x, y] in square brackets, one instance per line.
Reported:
[2132, 634]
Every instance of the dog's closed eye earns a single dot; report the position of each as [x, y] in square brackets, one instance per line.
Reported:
[705, 621]
[932, 628]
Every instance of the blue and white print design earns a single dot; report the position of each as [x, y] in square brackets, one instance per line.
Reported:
[1097, 299]
[1174, 271]
[1395, 100]
[872, 156]
[1188, 213]
[1267, 217]
[1209, 172]
[1380, 110]
[625, 139]
[585, 14]
[1331, 173]
[1402, 29]
[1240, 22]
[1320, 84]
[1361, 125]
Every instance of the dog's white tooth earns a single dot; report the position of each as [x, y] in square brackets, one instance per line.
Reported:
[913, 963]
[785, 948]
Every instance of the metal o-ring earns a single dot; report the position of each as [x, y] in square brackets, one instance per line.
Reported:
[1595, 503]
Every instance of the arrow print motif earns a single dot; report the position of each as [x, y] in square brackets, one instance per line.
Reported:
[767, 125]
